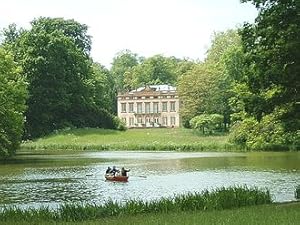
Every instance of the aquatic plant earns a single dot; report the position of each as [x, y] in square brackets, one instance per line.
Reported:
[218, 199]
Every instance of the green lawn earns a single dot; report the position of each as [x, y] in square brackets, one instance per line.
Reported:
[274, 214]
[133, 139]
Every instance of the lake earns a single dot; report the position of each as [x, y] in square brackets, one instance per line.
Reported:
[36, 180]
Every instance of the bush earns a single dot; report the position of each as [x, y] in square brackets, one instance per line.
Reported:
[268, 134]
[240, 132]
[119, 124]
[207, 122]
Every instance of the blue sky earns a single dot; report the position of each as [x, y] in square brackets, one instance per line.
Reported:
[180, 28]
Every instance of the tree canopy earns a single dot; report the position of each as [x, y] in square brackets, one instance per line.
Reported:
[63, 85]
[13, 96]
[206, 88]
[270, 88]
[122, 63]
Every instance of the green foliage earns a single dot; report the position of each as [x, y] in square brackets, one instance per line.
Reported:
[65, 88]
[272, 60]
[196, 89]
[218, 199]
[57, 66]
[207, 122]
[268, 134]
[103, 88]
[156, 70]
[265, 98]
[121, 64]
[13, 95]
[241, 131]
[206, 88]
[119, 124]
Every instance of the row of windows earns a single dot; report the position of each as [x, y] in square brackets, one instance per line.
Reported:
[147, 97]
[140, 120]
[147, 108]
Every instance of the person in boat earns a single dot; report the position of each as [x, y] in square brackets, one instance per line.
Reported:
[124, 172]
[114, 170]
[108, 170]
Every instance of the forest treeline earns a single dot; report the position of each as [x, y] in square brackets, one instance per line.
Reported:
[248, 83]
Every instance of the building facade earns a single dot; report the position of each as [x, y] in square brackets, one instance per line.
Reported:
[150, 106]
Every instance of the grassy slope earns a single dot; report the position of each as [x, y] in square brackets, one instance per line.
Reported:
[275, 214]
[147, 139]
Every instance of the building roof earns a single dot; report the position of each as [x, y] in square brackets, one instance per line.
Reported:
[161, 87]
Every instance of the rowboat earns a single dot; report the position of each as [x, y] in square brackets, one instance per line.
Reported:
[116, 178]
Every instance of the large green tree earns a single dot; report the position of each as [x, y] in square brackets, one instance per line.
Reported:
[122, 63]
[206, 88]
[13, 96]
[63, 85]
[56, 63]
[104, 88]
[273, 60]
[157, 69]
[196, 89]
[270, 88]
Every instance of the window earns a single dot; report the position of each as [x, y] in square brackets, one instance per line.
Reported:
[130, 107]
[123, 107]
[139, 120]
[131, 121]
[147, 107]
[139, 107]
[173, 120]
[155, 107]
[172, 107]
[124, 120]
[156, 120]
[164, 106]
[165, 121]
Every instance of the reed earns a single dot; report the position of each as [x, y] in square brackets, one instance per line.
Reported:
[218, 199]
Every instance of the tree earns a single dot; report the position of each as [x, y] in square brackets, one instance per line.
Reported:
[273, 61]
[104, 88]
[56, 63]
[196, 89]
[207, 88]
[207, 122]
[122, 63]
[13, 96]
[154, 70]
[270, 88]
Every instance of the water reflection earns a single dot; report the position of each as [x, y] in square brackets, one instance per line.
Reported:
[78, 178]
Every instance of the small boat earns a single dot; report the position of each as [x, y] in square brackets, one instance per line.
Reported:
[116, 178]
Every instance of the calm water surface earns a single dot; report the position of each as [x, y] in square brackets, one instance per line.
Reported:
[52, 180]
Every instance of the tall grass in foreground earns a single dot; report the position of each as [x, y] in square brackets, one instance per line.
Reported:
[218, 199]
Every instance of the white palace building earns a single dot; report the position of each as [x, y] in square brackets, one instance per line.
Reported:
[150, 106]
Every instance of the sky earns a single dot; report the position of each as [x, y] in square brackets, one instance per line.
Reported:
[180, 28]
